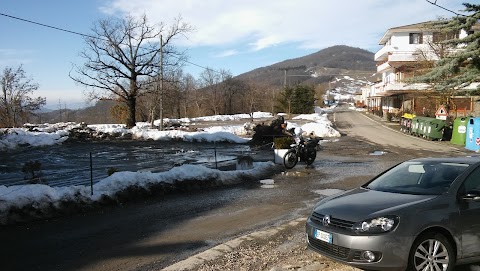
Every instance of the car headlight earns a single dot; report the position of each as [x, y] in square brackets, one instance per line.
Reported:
[377, 225]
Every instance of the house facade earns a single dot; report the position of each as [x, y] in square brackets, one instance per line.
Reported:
[403, 48]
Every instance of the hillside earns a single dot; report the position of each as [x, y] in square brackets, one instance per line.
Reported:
[330, 64]
[98, 113]
[346, 68]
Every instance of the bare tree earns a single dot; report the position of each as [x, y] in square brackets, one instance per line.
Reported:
[175, 94]
[211, 80]
[123, 53]
[16, 105]
[233, 90]
[198, 99]
[189, 86]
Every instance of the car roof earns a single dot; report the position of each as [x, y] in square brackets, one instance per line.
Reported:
[460, 159]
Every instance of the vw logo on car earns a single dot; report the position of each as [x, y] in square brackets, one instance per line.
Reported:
[326, 220]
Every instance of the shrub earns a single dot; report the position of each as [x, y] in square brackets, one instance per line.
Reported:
[111, 170]
[283, 142]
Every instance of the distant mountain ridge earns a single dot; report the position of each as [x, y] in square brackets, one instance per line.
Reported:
[319, 67]
[346, 68]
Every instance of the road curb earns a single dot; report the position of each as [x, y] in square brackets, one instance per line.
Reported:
[220, 250]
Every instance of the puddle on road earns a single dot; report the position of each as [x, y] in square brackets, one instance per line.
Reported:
[296, 173]
[334, 163]
[378, 153]
[267, 183]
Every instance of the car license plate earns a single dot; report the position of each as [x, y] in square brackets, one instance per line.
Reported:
[323, 236]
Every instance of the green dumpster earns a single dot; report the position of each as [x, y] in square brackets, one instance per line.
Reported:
[459, 132]
[423, 124]
[434, 129]
[415, 126]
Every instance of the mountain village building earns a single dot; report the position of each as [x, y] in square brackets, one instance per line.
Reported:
[404, 47]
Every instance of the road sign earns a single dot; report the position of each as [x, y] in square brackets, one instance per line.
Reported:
[441, 113]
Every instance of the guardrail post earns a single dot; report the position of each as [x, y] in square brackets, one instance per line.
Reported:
[91, 174]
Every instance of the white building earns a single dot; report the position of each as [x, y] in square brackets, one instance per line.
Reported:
[403, 47]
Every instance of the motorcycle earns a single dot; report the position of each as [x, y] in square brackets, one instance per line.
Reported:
[304, 149]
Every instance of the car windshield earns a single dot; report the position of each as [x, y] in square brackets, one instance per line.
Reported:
[421, 178]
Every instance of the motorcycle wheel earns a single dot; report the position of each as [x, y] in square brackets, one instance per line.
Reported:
[311, 155]
[290, 159]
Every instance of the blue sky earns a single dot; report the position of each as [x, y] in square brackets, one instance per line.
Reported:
[235, 35]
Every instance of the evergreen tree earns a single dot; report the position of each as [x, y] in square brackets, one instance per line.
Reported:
[284, 101]
[297, 100]
[462, 67]
[303, 99]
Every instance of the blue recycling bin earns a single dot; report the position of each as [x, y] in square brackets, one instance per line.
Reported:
[473, 135]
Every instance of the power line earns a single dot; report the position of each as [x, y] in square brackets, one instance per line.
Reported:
[89, 36]
[444, 8]
[48, 26]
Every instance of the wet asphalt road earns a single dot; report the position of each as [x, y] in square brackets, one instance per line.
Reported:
[154, 232]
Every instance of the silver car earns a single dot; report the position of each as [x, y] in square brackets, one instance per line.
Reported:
[422, 214]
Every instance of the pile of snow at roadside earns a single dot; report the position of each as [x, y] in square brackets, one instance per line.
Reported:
[256, 115]
[50, 134]
[20, 136]
[114, 129]
[42, 197]
[320, 125]
[206, 136]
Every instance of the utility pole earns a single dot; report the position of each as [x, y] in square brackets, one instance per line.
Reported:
[273, 100]
[161, 83]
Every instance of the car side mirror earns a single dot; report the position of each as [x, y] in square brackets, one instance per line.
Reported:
[473, 195]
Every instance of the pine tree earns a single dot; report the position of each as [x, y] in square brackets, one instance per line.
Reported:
[303, 99]
[462, 67]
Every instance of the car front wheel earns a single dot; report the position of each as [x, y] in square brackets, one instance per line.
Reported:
[432, 251]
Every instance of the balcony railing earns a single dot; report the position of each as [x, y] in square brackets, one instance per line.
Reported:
[403, 56]
[404, 86]
[382, 54]
[382, 87]
[402, 52]
[383, 67]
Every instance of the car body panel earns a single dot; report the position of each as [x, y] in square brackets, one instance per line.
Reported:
[446, 213]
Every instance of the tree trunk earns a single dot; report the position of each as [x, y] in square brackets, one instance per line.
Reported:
[131, 104]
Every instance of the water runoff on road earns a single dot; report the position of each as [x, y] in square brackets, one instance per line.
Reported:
[69, 163]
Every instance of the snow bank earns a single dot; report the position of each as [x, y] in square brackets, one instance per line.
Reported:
[21, 136]
[41, 200]
[320, 125]
[50, 134]
[216, 135]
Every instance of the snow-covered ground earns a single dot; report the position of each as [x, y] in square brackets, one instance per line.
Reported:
[50, 134]
[41, 197]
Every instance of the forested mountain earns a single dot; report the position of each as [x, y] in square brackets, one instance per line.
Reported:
[316, 68]
[98, 113]
[342, 69]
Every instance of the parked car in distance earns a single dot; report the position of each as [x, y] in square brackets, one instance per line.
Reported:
[422, 214]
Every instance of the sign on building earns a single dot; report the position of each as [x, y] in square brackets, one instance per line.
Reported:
[441, 113]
